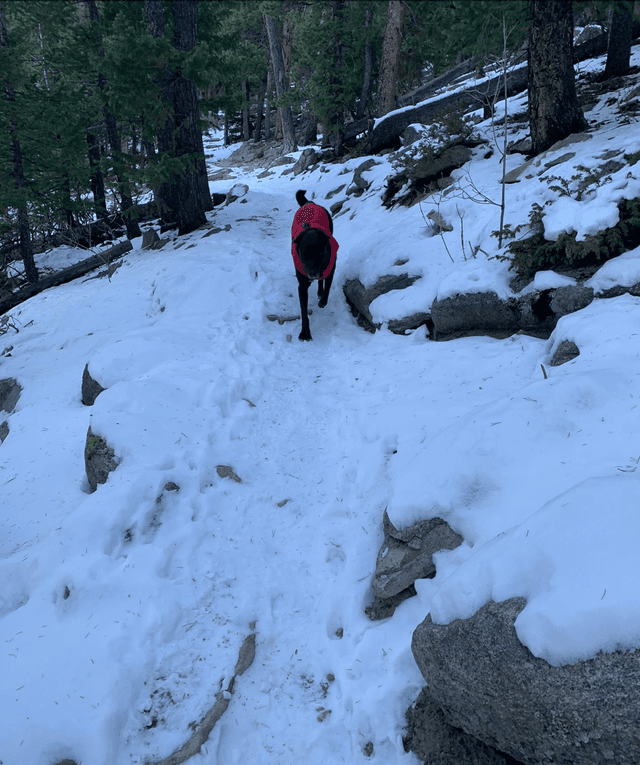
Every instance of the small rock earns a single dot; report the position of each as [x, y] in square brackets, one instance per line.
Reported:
[90, 388]
[99, 460]
[411, 135]
[439, 223]
[237, 191]
[4, 431]
[151, 240]
[10, 390]
[335, 191]
[224, 471]
[566, 351]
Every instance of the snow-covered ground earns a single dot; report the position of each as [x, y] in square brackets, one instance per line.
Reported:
[122, 612]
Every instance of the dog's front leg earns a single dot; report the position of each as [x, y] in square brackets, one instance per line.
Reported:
[323, 288]
[303, 295]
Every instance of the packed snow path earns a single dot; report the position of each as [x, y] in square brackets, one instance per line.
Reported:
[150, 590]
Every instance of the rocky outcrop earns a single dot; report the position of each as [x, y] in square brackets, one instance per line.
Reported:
[406, 555]
[99, 460]
[476, 313]
[485, 313]
[488, 684]
[425, 175]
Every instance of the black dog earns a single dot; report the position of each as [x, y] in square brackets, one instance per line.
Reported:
[314, 253]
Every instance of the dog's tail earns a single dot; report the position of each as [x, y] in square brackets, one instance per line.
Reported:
[301, 199]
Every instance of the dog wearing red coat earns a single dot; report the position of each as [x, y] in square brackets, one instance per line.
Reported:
[314, 252]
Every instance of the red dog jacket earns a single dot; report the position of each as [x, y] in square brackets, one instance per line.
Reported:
[312, 216]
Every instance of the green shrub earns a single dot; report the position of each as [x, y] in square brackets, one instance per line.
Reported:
[537, 254]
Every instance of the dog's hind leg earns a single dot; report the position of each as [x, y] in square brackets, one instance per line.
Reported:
[303, 295]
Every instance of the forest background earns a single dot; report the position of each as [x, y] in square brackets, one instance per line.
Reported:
[104, 102]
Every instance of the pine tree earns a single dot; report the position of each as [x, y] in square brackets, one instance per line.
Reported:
[620, 18]
[389, 66]
[554, 109]
[277, 63]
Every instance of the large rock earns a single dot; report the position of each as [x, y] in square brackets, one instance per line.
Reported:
[307, 160]
[431, 738]
[485, 313]
[487, 683]
[539, 311]
[476, 313]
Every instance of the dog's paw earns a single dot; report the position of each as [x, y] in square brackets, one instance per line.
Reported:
[322, 302]
[305, 335]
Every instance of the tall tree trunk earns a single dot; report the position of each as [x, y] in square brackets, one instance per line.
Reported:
[246, 132]
[260, 108]
[335, 119]
[165, 194]
[368, 68]
[193, 187]
[277, 61]
[24, 234]
[185, 197]
[554, 109]
[267, 106]
[390, 63]
[619, 17]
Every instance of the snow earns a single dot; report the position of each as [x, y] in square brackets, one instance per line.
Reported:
[122, 611]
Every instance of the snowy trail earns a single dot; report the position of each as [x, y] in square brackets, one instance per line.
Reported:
[167, 582]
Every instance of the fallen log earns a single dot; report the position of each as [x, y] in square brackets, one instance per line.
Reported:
[387, 132]
[64, 276]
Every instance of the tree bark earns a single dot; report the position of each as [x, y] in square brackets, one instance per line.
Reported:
[368, 69]
[389, 65]
[267, 106]
[257, 130]
[335, 120]
[24, 233]
[185, 197]
[246, 132]
[554, 109]
[277, 61]
[185, 15]
[620, 21]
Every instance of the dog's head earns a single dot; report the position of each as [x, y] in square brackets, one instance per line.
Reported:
[314, 250]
